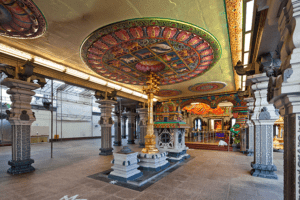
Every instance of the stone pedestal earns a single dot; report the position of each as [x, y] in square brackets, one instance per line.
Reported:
[171, 140]
[153, 162]
[143, 113]
[106, 123]
[131, 121]
[250, 129]
[123, 126]
[20, 117]
[264, 116]
[125, 166]
[117, 124]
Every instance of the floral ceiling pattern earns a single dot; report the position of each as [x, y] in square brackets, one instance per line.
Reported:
[123, 50]
[168, 93]
[207, 87]
[21, 19]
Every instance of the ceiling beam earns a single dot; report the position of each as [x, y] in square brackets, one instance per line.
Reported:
[68, 79]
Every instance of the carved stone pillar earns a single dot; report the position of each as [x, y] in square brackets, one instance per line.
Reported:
[123, 126]
[20, 117]
[131, 120]
[264, 116]
[138, 129]
[117, 124]
[106, 123]
[143, 113]
[250, 129]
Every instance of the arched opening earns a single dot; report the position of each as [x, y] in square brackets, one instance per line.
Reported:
[208, 125]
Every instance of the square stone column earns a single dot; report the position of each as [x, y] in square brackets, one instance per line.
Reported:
[131, 120]
[264, 116]
[20, 117]
[117, 124]
[106, 123]
[143, 113]
[250, 129]
[123, 126]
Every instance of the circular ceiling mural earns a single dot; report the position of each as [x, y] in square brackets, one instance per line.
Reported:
[124, 50]
[207, 87]
[21, 19]
[168, 93]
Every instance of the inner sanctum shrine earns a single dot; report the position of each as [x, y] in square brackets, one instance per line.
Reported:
[166, 99]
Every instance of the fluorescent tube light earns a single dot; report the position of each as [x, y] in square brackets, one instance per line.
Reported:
[49, 64]
[117, 87]
[97, 80]
[249, 15]
[76, 73]
[145, 96]
[15, 52]
[137, 94]
[126, 90]
[247, 42]
[154, 99]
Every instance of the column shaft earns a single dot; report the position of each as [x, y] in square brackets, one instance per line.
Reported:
[106, 123]
[264, 116]
[20, 117]
[143, 115]
[131, 121]
[123, 129]
[117, 124]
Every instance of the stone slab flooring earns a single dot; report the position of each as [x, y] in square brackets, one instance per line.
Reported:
[210, 175]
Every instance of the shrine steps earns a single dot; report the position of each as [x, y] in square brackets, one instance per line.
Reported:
[193, 145]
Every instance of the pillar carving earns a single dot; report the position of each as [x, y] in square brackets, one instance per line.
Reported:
[143, 113]
[250, 129]
[20, 117]
[284, 92]
[106, 123]
[117, 124]
[131, 120]
[264, 116]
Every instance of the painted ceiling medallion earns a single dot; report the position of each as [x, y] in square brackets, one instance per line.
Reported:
[168, 93]
[150, 65]
[177, 50]
[21, 19]
[207, 87]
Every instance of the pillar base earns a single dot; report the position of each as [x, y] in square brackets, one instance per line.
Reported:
[178, 156]
[142, 145]
[264, 171]
[20, 167]
[130, 142]
[250, 153]
[117, 143]
[153, 162]
[105, 152]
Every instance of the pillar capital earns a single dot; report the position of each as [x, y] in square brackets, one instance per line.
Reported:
[21, 94]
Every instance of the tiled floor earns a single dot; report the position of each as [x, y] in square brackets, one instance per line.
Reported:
[210, 175]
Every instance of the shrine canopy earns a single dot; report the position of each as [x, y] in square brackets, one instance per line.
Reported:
[206, 110]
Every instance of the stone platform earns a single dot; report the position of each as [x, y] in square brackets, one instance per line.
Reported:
[143, 182]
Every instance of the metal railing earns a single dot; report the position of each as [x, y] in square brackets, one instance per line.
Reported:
[210, 137]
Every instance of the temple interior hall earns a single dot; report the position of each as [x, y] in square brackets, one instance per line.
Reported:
[152, 99]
